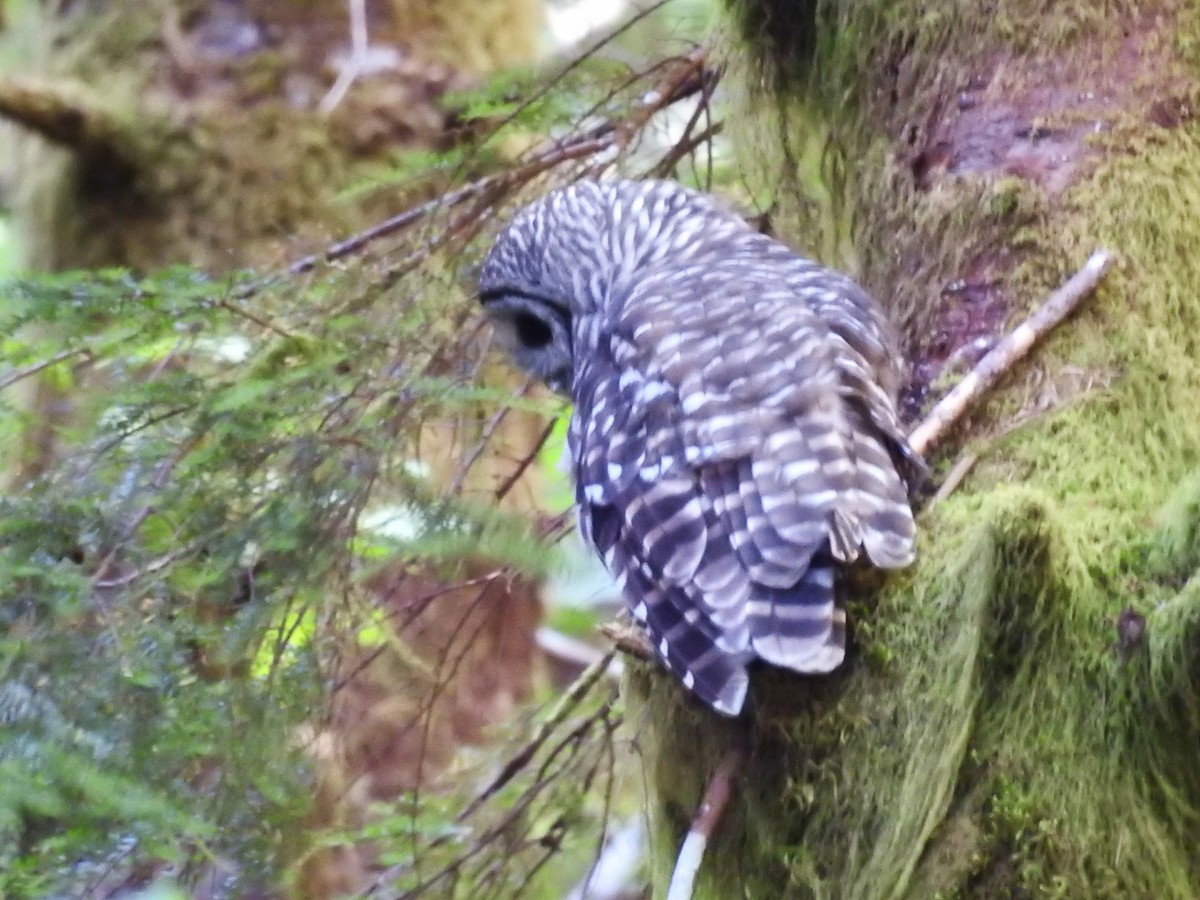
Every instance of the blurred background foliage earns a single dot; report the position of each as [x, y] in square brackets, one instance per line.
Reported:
[285, 605]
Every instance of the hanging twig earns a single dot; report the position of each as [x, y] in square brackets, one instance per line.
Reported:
[720, 786]
[1008, 352]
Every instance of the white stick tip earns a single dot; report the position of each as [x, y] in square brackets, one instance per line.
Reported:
[683, 879]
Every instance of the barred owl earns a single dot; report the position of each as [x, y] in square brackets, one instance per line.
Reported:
[734, 434]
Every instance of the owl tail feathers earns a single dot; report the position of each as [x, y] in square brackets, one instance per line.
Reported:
[877, 515]
[717, 678]
[689, 647]
[724, 690]
[799, 628]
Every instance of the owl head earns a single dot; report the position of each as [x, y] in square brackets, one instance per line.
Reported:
[578, 251]
[530, 303]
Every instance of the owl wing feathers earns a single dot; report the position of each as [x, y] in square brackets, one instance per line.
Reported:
[734, 434]
[727, 468]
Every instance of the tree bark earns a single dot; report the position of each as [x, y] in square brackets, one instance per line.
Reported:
[1018, 713]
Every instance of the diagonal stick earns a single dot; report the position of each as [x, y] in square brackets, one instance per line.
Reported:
[1008, 352]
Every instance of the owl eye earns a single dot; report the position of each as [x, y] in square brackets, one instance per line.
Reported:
[532, 332]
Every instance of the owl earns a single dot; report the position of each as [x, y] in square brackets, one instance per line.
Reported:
[734, 434]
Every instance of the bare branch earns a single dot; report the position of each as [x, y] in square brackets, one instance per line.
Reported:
[682, 80]
[570, 651]
[21, 374]
[1008, 352]
[629, 639]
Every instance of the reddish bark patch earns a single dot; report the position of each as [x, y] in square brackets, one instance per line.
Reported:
[461, 657]
[475, 640]
[1032, 119]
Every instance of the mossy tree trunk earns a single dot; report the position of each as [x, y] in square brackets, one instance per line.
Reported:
[1020, 713]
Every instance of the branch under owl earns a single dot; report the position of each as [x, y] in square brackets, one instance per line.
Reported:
[716, 796]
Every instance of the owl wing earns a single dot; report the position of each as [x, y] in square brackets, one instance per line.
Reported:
[722, 465]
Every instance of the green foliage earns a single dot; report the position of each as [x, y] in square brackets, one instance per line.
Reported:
[218, 467]
[215, 476]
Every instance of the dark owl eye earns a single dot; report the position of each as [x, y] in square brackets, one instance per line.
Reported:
[532, 331]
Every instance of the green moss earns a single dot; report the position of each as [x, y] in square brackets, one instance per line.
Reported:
[1174, 553]
[984, 708]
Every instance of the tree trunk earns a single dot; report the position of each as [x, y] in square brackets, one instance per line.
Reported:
[1018, 715]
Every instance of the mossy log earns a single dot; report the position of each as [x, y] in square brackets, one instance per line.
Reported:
[1020, 712]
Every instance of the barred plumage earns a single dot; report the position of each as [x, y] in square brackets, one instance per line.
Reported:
[734, 434]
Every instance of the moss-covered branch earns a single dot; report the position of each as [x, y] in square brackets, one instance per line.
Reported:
[70, 116]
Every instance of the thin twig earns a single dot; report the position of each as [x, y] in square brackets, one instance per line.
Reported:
[485, 438]
[961, 469]
[691, 854]
[21, 374]
[1008, 352]
[525, 462]
[665, 168]
[520, 809]
[260, 321]
[568, 701]
[687, 141]
[150, 568]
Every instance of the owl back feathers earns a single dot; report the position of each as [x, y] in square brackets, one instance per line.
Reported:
[737, 465]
